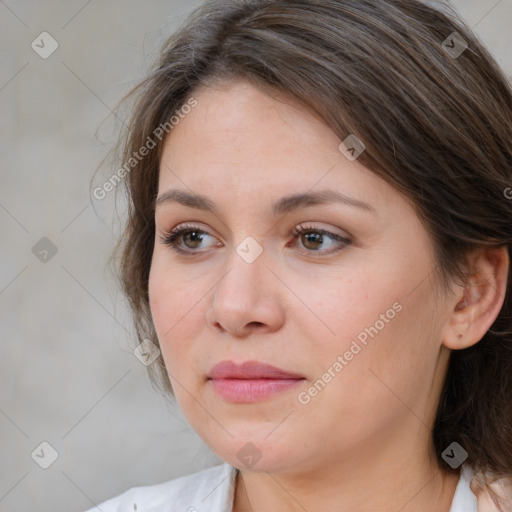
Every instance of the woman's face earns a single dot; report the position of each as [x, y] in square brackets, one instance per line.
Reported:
[355, 326]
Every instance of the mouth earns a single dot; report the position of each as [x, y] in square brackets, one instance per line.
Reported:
[250, 381]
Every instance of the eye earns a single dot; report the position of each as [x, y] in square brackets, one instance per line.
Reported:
[184, 233]
[315, 237]
[192, 236]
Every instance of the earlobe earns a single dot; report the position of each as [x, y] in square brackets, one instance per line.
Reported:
[482, 298]
[456, 331]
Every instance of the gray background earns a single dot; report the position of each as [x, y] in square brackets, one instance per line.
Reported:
[68, 374]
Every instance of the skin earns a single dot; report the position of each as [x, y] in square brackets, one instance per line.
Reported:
[299, 307]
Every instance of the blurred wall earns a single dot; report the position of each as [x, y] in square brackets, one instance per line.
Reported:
[69, 378]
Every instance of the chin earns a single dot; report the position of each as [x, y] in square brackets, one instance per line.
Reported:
[254, 450]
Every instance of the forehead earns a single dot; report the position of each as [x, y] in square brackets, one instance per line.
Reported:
[239, 142]
[237, 115]
[237, 127]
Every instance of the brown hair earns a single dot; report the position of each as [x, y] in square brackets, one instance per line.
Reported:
[436, 126]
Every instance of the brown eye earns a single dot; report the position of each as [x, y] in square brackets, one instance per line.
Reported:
[313, 238]
[184, 239]
[194, 237]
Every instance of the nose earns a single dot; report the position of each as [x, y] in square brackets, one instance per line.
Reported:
[248, 298]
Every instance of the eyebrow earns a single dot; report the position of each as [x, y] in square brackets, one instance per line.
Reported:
[282, 206]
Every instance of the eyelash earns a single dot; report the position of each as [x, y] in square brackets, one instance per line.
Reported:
[172, 238]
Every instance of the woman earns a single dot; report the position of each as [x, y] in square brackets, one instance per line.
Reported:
[317, 249]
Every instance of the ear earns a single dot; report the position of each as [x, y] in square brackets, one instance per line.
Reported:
[476, 306]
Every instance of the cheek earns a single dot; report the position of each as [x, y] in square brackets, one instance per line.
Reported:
[159, 298]
[350, 307]
[178, 314]
[384, 322]
[398, 361]
[384, 380]
[169, 295]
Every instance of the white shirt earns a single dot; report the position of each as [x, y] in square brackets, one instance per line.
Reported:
[212, 490]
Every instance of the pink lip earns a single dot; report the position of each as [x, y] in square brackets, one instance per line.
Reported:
[250, 381]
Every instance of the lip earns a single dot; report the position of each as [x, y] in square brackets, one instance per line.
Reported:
[249, 370]
[250, 381]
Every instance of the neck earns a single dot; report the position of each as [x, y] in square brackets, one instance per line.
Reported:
[409, 483]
